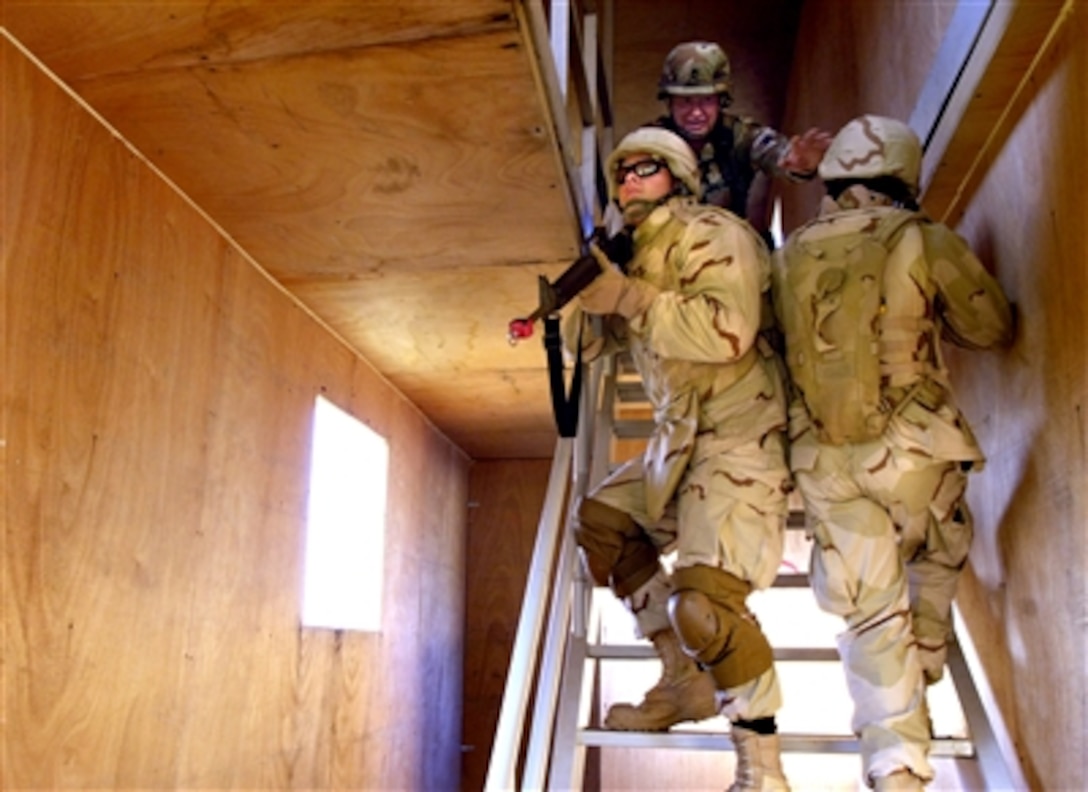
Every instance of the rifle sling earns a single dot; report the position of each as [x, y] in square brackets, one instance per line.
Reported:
[564, 406]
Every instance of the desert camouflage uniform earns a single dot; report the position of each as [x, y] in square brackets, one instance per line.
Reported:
[713, 480]
[887, 512]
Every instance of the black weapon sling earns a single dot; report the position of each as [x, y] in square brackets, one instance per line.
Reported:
[565, 406]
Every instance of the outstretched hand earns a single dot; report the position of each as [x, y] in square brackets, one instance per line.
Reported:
[806, 151]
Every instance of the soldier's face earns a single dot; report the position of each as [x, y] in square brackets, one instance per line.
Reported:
[642, 177]
[695, 115]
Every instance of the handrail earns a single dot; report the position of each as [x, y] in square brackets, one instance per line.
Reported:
[569, 597]
[553, 592]
[510, 727]
[547, 689]
[997, 756]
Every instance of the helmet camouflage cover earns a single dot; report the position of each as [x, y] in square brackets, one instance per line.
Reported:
[695, 68]
[657, 142]
[872, 146]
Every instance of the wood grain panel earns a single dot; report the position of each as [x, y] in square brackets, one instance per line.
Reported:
[452, 320]
[77, 41]
[1003, 94]
[367, 161]
[1031, 547]
[506, 499]
[878, 63]
[345, 147]
[158, 394]
[516, 410]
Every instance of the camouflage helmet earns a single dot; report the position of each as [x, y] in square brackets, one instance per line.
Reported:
[873, 146]
[695, 68]
[658, 142]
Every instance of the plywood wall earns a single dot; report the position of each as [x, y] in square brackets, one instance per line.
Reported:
[157, 405]
[505, 500]
[1030, 560]
[1023, 596]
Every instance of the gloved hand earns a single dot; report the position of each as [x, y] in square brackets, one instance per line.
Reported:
[615, 293]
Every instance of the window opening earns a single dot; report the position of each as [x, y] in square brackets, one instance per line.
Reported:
[345, 523]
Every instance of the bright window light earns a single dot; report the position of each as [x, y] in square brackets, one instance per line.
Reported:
[776, 223]
[345, 530]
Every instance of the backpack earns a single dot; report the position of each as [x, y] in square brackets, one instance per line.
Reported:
[829, 283]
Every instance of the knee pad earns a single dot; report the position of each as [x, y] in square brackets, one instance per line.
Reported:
[617, 551]
[638, 562]
[724, 638]
[696, 623]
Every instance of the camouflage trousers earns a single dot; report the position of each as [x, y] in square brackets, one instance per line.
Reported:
[891, 533]
[729, 512]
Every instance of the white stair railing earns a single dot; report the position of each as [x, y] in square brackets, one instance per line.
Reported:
[510, 730]
[553, 610]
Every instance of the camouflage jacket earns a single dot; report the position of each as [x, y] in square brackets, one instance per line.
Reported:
[712, 387]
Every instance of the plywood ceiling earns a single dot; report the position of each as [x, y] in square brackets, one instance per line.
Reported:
[388, 163]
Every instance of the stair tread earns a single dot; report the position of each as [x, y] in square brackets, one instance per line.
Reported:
[646, 652]
[719, 740]
[633, 428]
[630, 390]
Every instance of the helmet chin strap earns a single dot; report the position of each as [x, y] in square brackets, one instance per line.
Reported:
[639, 209]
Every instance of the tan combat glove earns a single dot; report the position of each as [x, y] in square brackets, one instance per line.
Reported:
[615, 293]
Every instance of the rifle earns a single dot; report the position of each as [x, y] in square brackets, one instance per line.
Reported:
[554, 296]
[574, 278]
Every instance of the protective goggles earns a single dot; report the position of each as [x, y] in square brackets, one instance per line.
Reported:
[643, 169]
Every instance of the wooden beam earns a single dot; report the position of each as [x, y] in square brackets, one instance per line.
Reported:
[935, 108]
[538, 39]
[1001, 54]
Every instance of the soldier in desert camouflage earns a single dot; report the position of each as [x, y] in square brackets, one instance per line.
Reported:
[864, 295]
[713, 480]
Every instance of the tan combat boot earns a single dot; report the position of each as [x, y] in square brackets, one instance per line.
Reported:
[759, 762]
[684, 693]
[899, 781]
